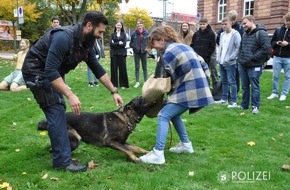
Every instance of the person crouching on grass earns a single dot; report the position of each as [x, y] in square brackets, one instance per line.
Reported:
[190, 91]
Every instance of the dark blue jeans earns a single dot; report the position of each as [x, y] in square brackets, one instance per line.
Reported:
[57, 131]
[250, 80]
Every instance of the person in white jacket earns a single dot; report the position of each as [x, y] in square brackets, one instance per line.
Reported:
[228, 51]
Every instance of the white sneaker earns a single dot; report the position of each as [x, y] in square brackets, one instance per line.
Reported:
[224, 102]
[182, 148]
[137, 85]
[255, 110]
[154, 157]
[272, 96]
[233, 105]
[282, 97]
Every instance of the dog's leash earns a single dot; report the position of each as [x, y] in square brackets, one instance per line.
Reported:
[170, 127]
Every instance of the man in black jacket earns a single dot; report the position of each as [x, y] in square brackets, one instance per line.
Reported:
[56, 53]
[281, 49]
[253, 53]
[203, 43]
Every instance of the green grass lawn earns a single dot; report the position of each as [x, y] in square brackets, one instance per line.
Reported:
[220, 137]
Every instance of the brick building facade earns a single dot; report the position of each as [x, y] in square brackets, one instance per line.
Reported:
[267, 12]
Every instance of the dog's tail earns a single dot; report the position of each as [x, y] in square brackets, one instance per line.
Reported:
[42, 125]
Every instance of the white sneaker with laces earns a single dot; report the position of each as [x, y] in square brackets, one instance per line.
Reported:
[282, 97]
[137, 85]
[272, 96]
[233, 105]
[224, 102]
[154, 157]
[182, 148]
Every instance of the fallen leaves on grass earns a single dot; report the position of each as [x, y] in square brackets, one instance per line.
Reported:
[44, 176]
[54, 178]
[191, 173]
[43, 133]
[92, 164]
[251, 143]
[4, 185]
[286, 167]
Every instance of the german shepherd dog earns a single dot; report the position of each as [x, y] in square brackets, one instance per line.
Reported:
[110, 129]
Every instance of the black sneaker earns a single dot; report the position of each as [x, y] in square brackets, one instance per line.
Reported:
[74, 167]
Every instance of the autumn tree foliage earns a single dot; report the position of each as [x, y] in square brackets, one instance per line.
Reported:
[7, 10]
[134, 14]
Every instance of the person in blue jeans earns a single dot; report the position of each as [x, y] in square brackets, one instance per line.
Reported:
[253, 53]
[228, 52]
[281, 50]
[99, 50]
[190, 91]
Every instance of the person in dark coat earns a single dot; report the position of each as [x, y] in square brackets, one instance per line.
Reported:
[203, 43]
[281, 49]
[56, 53]
[253, 54]
[118, 54]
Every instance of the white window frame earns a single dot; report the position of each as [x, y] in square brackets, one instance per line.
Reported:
[222, 9]
[249, 10]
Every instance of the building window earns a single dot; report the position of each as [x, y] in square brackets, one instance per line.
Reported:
[248, 7]
[222, 9]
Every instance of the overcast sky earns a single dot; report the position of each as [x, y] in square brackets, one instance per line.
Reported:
[155, 7]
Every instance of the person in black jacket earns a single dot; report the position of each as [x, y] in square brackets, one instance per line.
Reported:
[118, 56]
[56, 53]
[281, 50]
[253, 53]
[203, 43]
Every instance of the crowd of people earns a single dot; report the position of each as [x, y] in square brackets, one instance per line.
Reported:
[238, 51]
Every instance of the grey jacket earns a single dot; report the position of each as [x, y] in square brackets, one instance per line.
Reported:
[232, 51]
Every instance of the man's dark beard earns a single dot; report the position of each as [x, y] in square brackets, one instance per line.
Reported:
[90, 39]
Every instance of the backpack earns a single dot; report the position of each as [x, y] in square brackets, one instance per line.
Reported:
[271, 51]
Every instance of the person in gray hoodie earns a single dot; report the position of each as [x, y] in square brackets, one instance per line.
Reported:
[227, 56]
[254, 51]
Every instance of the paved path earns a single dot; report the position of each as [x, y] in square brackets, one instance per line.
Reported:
[6, 55]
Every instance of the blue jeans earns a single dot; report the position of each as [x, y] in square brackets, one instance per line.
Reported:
[250, 78]
[169, 112]
[228, 79]
[89, 73]
[280, 63]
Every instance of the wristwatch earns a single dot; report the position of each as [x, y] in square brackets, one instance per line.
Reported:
[115, 91]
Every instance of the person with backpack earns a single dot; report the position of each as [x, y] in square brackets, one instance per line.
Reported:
[254, 51]
[281, 51]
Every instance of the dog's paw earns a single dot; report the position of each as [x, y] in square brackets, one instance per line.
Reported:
[137, 160]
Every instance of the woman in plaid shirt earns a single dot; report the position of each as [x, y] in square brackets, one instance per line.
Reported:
[190, 91]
